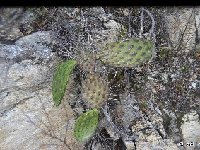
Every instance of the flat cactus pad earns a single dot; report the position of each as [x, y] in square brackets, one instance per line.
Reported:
[95, 90]
[129, 53]
[87, 62]
[60, 80]
[86, 125]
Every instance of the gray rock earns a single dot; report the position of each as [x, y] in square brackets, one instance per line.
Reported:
[10, 51]
[180, 25]
[34, 46]
[22, 79]
[152, 143]
[197, 19]
[28, 117]
[152, 136]
[9, 24]
[191, 131]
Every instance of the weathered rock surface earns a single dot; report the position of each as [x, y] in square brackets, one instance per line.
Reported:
[191, 131]
[181, 28]
[28, 119]
[34, 46]
[197, 19]
[9, 24]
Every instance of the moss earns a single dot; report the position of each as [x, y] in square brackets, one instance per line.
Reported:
[60, 79]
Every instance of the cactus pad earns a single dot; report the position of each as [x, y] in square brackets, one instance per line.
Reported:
[60, 79]
[95, 90]
[86, 125]
[87, 62]
[129, 53]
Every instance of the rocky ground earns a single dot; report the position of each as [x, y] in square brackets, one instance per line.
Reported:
[159, 110]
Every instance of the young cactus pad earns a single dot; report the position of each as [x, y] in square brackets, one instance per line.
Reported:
[60, 79]
[129, 53]
[95, 90]
[86, 125]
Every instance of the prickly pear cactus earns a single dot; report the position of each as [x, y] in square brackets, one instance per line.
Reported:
[129, 53]
[95, 90]
[60, 80]
[86, 125]
[87, 62]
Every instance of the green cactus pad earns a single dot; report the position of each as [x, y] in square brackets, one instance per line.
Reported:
[60, 79]
[129, 53]
[86, 125]
[87, 62]
[95, 90]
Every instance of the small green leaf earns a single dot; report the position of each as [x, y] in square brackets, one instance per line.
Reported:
[86, 125]
[60, 80]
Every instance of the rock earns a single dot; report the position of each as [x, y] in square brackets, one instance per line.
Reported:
[34, 46]
[180, 24]
[110, 34]
[9, 24]
[166, 144]
[21, 80]
[111, 24]
[130, 145]
[28, 118]
[150, 138]
[191, 131]
[197, 19]
[151, 132]
[130, 111]
[10, 51]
